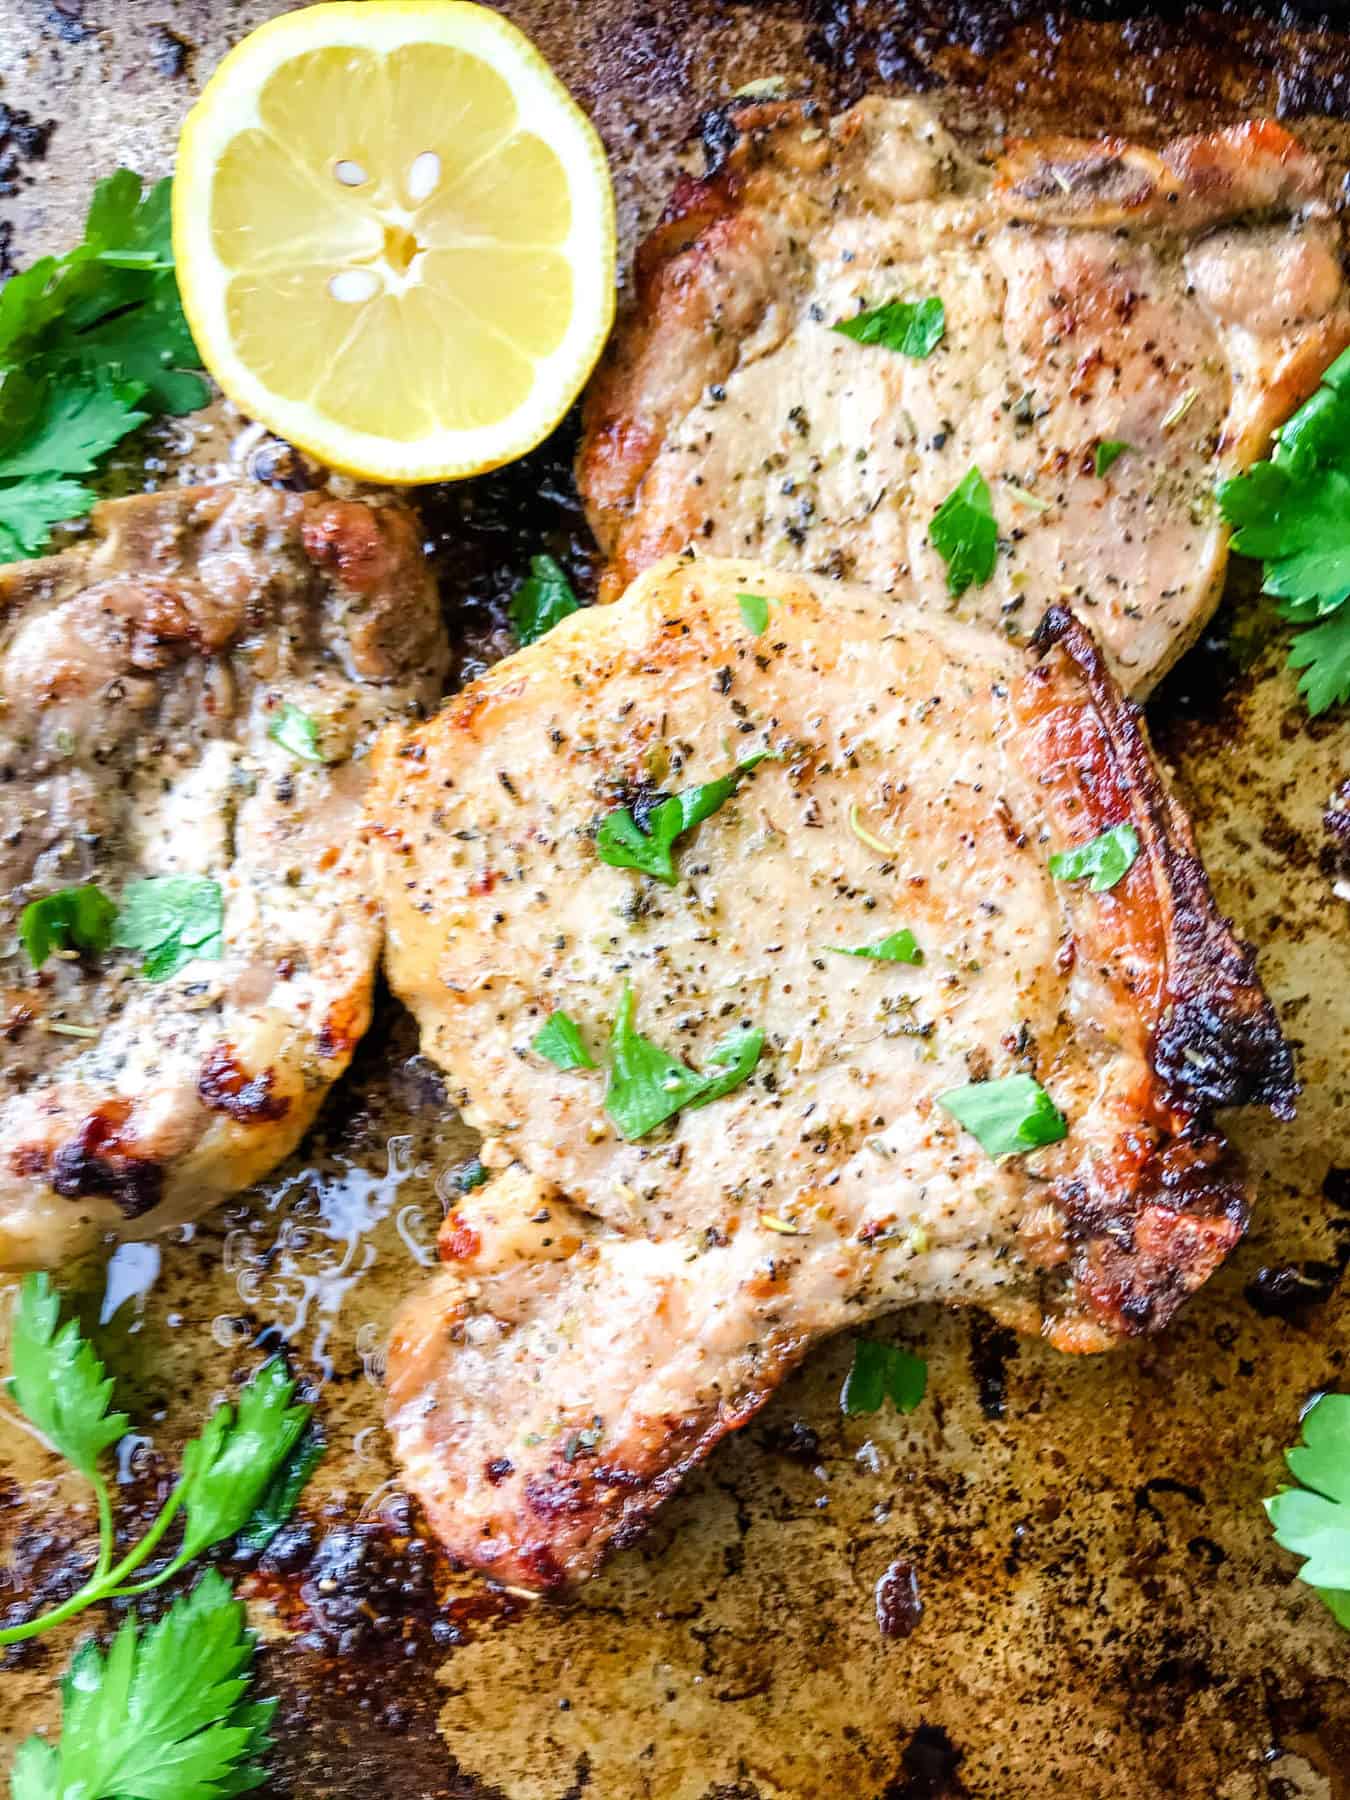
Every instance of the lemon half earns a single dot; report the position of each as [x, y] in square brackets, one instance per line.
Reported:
[394, 232]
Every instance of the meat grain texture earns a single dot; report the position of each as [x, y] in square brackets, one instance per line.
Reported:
[611, 1308]
[1170, 305]
[144, 676]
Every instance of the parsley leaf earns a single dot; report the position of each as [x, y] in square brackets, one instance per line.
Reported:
[1007, 1116]
[964, 534]
[542, 600]
[914, 327]
[755, 612]
[1313, 1519]
[623, 843]
[1324, 656]
[646, 1086]
[282, 1493]
[57, 1380]
[881, 1372]
[227, 1470]
[163, 1716]
[1107, 858]
[900, 946]
[74, 425]
[1108, 453]
[296, 731]
[79, 918]
[173, 918]
[559, 1042]
[29, 508]
[91, 344]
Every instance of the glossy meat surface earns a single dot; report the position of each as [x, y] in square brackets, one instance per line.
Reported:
[611, 1308]
[144, 675]
[1178, 302]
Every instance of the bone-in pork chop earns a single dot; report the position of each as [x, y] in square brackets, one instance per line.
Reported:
[1122, 328]
[186, 924]
[626, 1291]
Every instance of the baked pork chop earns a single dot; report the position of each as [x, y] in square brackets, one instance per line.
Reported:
[745, 1091]
[1123, 327]
[186, 922]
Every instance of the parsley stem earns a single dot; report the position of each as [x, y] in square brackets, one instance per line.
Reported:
[135, 1557]
[105, 1527]
[104, 1583]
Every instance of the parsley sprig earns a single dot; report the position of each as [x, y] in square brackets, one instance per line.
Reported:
[164, 1714]
[92, 344]
[239, 1477]
[1293, 511]
[1313, 1519]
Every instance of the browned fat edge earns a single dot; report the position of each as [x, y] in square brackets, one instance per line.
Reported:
[1217, 1041]
[225, 1086]
[96, 1161]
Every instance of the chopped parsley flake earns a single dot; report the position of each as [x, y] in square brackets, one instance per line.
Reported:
[296, 731]
[1109, 453]
[542, 600]
[174, 919]
[882, 1372]
[755, 612]
[913, 327]
[899, 947]
[559, 1041]
[964, 534]
[647, 1087]
[1008, 1116]
[1106, 859]
[624, 843]
[73, 918]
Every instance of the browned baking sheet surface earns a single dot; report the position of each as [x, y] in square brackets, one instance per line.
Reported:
[1103, 1611]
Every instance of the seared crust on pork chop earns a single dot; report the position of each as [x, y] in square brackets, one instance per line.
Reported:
[1178, 303]
[143, 677]
[610, 1308]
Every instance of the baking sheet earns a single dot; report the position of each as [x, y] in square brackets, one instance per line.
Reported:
[1103, 1612]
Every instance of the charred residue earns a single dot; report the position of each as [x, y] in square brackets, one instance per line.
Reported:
[23, 141]
[481, 535]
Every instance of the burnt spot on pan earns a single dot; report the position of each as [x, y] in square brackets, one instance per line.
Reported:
[930, 1765]
[992, 1348]
[23, 140]
[1294, 1291]
[899, 1604]
[1182, 56]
